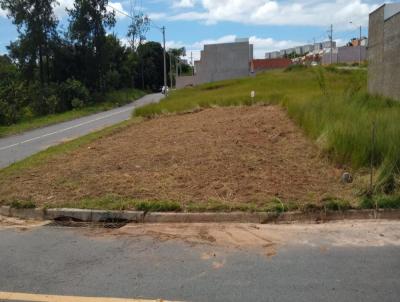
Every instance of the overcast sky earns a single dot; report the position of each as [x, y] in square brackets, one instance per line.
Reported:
[270, 25]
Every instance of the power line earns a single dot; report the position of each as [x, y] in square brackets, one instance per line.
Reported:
[160, 28]
[120, 11]
[152, 23]
[331, 42]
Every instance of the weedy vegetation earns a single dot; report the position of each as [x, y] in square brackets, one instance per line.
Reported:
[332, 106]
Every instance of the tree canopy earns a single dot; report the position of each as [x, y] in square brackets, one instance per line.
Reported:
[48, 70]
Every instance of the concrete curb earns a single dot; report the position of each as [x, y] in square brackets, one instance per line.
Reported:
[74, 214]
[235, 217]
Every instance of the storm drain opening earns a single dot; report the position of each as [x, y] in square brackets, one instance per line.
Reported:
[114, 223]
[65, 221]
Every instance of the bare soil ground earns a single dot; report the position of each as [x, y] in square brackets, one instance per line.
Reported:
[11, 222]
[237, 154]
[267, 239]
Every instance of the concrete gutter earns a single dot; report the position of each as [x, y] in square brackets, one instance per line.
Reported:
[235, 217]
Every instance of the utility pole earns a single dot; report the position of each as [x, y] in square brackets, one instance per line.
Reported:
[165, 59]
[191, 62]
[359, 45]
[331, 42]
[177, 71]
[170, 69]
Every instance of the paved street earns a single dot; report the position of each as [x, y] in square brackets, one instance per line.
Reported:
[18, 147]
[346, 261]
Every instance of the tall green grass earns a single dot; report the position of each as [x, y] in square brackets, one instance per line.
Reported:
[331, 105]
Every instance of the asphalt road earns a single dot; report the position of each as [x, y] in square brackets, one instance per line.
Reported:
[18, 147]
[360, 262]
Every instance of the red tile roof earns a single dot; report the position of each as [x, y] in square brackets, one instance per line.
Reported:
[263, 64]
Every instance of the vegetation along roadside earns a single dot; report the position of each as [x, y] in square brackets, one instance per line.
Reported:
[332, 106]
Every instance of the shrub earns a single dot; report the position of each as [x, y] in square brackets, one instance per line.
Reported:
[12, 93]
[112, 79]
[72, 94]
[76, 103]
[51, 103]
[13, 98]
[43, 100]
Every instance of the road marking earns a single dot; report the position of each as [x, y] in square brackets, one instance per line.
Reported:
[66, 129]
[4, 296]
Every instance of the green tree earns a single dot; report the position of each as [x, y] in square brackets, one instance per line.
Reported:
[87, 29]
[177, 62]
[138, 29]
[12, 92]
[152, 57]
[37, 26]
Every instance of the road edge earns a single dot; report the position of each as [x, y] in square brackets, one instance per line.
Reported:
[217, 217]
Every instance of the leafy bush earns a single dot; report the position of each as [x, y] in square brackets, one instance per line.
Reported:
[51, 103]
[77, 103]
[13, 98]
[112, 79]
[43, 100]
[72, 94]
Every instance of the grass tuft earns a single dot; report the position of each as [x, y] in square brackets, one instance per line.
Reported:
[22, 204]
[337, 204]
[382, 202]
[158, 206]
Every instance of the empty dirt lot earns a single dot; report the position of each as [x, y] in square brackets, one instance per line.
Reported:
[237, 154]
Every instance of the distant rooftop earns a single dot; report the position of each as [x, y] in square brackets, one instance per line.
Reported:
[239, 40]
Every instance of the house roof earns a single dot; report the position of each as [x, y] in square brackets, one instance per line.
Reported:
[271, 63]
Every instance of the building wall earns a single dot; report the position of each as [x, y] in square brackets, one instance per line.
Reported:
[185, 81]
[351, 54]
[345, 54]
[308, 48]
[224, 61]
[383, 51]
[375, 51]
[275, 55]
[326, 58]
[391, 82]
[298, 50]
[220, 62]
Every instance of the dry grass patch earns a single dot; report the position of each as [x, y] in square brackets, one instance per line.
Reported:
[238, 155]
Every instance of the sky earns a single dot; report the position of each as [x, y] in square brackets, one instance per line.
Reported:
[270, 25]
